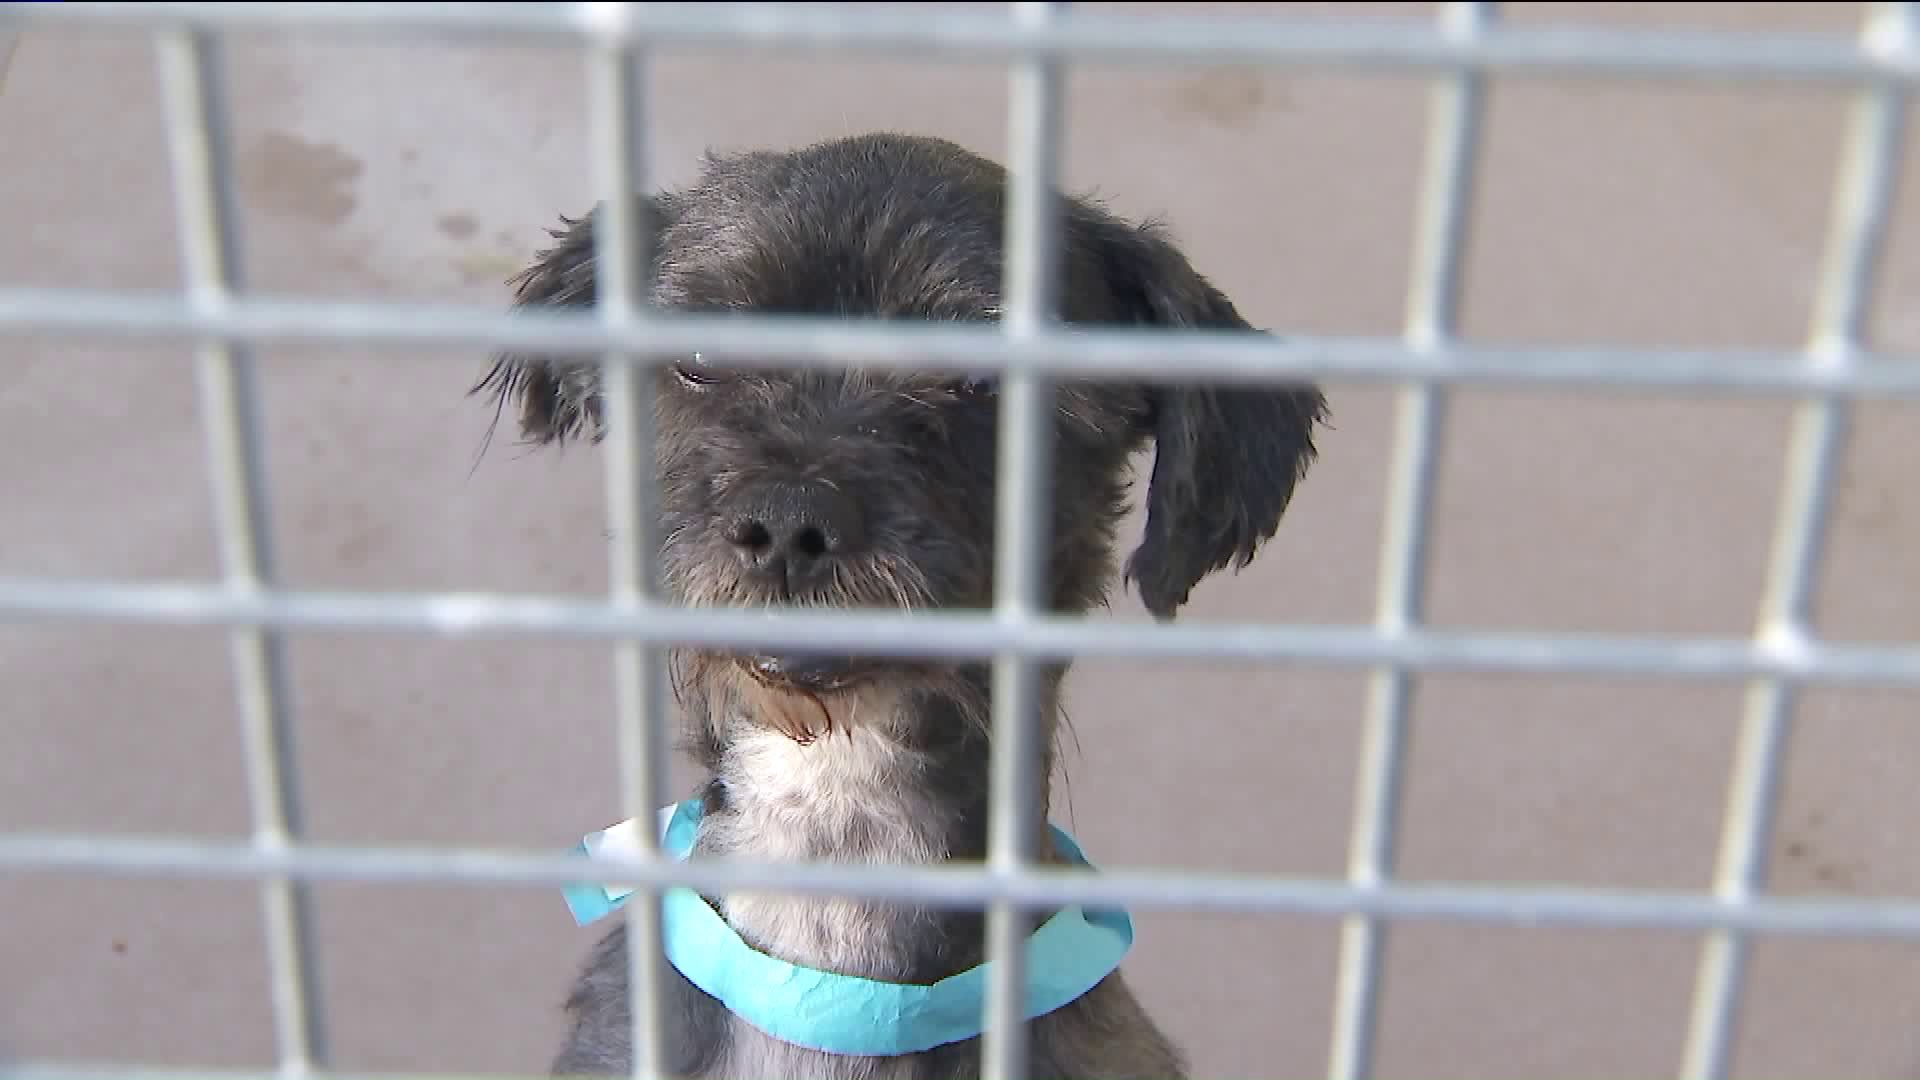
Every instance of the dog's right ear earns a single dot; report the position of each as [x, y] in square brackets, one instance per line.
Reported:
[557, 397]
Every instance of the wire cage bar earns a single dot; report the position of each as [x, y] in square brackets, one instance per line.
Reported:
[1862, 201]
[1461, 51]
[959, 34]
[1023, 532]
[616, 78]
[197, 140]
[1433, 300]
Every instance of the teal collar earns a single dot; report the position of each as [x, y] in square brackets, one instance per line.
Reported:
[843, 1014]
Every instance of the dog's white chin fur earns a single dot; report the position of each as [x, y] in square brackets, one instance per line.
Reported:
[852, 796]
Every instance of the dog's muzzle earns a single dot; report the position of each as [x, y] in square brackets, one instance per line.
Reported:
[806, 671]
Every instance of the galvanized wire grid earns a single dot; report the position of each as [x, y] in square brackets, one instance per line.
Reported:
[1462, 50]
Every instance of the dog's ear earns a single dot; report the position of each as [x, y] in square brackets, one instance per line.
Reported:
[1226, 459]
[558, 397]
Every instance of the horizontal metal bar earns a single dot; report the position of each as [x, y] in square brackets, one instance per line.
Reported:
[937, 634]
[774, 341]
[955, 887]
[1409, 46]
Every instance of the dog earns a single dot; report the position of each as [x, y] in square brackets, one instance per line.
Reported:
[875, 489]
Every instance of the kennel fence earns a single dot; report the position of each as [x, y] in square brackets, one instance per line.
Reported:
[1460, 51]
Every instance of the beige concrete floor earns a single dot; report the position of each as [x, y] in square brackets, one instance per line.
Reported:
[1611, 215]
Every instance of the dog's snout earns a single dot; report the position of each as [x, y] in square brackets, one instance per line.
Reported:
[792, 534]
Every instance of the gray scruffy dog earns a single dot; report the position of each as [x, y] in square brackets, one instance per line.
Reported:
[876, 489]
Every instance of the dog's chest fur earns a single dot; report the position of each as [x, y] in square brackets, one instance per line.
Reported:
[862, 794]
[850, 797]
[857, 795]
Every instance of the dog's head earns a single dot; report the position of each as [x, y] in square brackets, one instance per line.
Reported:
[876, 488]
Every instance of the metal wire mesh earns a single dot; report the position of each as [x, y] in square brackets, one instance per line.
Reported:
[1462, 50]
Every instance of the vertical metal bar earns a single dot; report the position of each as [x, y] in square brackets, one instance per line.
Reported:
[623, 262]
[1445, 204]
[1023, 528]
[1862, 202]
[194, 92]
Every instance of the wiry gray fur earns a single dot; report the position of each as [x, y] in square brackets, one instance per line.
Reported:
[876, 489]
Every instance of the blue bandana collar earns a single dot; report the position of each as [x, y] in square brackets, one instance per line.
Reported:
[843, 1014]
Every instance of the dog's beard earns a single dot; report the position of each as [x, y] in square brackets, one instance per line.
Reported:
[730, 683]
[807, 696]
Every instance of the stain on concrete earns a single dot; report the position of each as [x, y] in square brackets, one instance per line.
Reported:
[350, 532]
[457, 226]
[349, 264]
[356, 548]
[1870, 507]
[1804, 862]
[1878, 514]
[1230, 99]
[293, 178]
[9, 40]
[1833, 877]
[480, 267]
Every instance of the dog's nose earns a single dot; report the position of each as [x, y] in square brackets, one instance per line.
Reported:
[793, 534]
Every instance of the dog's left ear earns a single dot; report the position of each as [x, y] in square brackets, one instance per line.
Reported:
[1226, 459]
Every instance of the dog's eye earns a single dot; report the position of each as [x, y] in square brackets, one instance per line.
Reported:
[691, 373]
